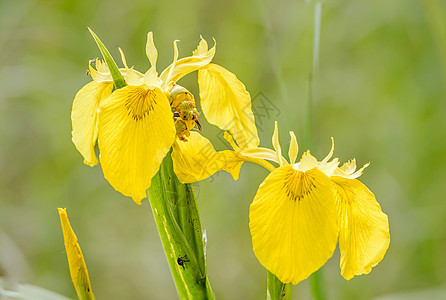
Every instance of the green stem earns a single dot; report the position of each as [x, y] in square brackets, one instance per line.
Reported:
[316, 279]
[277, 290]
[175, 210]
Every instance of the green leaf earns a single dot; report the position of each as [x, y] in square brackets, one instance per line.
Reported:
[118, 79]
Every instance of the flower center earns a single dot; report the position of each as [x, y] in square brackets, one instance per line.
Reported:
[298, 185]
[140, 103]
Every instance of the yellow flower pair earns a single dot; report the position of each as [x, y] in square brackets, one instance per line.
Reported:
[300, 210]
[134, 125]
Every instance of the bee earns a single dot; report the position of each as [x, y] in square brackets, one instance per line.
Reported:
[183, 103]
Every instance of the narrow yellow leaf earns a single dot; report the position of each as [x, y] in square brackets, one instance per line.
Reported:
[76, 262]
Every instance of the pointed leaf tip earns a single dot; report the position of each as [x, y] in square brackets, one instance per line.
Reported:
[118, 79]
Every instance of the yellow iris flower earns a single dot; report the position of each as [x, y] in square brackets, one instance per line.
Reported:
[301, 210]
[135, 127]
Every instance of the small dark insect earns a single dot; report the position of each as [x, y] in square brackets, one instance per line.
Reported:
[88, 72]
[182, 260]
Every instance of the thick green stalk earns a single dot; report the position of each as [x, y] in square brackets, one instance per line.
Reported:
[276, 290]
[175, 210]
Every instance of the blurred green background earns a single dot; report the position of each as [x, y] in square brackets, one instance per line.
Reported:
[379, 91]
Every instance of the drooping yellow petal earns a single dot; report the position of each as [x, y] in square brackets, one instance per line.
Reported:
[186, 65]
[136, 130]
[226, 103]
[363, 228]
[84, 118]
[76, 262]
[197, 159]
[293, 150]
[293, 223]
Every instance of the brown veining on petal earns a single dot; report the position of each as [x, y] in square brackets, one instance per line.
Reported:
[298, 185]
[140, 102]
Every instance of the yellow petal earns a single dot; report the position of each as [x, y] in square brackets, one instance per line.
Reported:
[276, 144]
[124, 61]
[84, 118]
[293, 150]
[100, 73]
[257, 155]
[293, 223]
[260, 153]
[136, 130]
[133, 77]
[349, 167]
[228, 137]
[363, 227]
[330, 154]
[201, 48]
[151, 51]
[307, 161]
[186, 65]
[197, 159]
[347, 170]
[226, 103]
[172, 66]
[76, 262]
